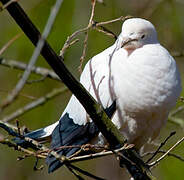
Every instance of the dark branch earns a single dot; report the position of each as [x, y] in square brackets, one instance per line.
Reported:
[161, 145]
[96, 112]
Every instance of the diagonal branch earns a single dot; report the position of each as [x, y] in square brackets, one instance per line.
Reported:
[93, 25]
[161, 145]
[38, 102]
[93, 3]
[93, 109]
[96, 112]
[13, 95]
[167, 152]
[35, 69]
[9, 43]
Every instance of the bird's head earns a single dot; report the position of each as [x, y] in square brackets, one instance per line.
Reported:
[137, 32]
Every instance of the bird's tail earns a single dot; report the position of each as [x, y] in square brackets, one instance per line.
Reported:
[39, 135]
[68, 133]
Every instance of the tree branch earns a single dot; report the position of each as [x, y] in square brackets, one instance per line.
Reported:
[9, 43]
[22, 66]
[167, 152]
[161, 145]
[96, 112]
[38, 102]
[39, 45]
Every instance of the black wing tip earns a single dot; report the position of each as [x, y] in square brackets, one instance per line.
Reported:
[38, 134]
[68, 133]
[111, 109]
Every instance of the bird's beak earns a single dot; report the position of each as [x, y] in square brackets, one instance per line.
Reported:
[126, 41]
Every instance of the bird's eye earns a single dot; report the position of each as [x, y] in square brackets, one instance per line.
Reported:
[143, 36]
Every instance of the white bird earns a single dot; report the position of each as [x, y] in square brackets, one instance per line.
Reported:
[139, 74]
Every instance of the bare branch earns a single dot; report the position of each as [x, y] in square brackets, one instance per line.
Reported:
[106, 32]
[165, 154]
[40, 101]
[3, 49]
[36, 80]
[41, 147]
[7, 4]
[96, 112]
[35, 69]
[122, 18]
[100, 154]
[34, 57]
[92, 25]
[161, 145]
[66, 46]
[93, 3]
[21, 149]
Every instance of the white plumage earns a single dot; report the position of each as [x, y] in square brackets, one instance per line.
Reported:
[140, 75]
[145, 83]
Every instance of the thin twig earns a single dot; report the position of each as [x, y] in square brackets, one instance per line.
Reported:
[34, 104]
[164, 155]
[92, 79]
[97, 155]
[70, 38]
[122, 18]
[41, 147]
[33, 143]
[21, 94]
[93, 25]
[7, 4]
[21, 149]
[93, 3]
[163, 152]
[83, 52]
[100, 118]
[65, 47]
[35, 69]
[34, 57]
[36, 80]
[161, 145]
[106, 31]
[3, 49]
[44, 150]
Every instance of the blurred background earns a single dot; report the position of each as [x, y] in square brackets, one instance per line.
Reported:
[166, 15]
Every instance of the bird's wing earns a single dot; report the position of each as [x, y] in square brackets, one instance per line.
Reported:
[67, 133]
[75, 127]
[95, 78]
[98, 65]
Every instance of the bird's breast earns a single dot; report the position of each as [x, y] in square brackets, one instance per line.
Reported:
[146, 86]
[145, 82]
